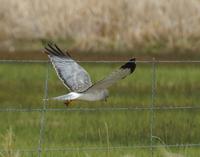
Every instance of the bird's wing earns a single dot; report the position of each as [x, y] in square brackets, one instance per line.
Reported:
[115, 76]
[70, 72]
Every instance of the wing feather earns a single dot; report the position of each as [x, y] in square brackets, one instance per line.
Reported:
[115, 76]
[73, 76]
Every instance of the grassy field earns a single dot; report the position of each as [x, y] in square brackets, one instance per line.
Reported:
[144, 26]
[177, 85]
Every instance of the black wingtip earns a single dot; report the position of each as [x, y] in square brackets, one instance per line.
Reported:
[52, 49]
[130, 65]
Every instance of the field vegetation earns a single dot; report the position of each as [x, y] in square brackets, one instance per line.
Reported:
[22, 87]
[139, 26]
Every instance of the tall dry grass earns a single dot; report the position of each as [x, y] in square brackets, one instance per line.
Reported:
[104, 24]
[8, 144]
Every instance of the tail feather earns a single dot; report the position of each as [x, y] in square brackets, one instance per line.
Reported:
[60, 98]
[70, 96]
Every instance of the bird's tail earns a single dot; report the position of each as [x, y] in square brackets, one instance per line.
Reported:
[70, 96]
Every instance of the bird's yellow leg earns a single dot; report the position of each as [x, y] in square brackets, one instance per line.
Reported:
[67, 102]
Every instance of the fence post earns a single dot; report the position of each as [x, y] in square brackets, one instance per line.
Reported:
[42, 120]
[153, 94]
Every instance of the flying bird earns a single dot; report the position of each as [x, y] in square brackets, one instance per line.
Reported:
[78, 81]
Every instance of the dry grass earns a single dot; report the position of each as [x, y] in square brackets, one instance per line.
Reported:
[166, 153]
[105, 25]
[8, 145]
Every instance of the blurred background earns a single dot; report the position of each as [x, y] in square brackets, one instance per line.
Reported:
[145, 28]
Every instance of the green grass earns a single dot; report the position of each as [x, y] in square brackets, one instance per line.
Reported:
[22, 86]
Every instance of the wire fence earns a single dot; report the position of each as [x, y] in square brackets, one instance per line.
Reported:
[42, 149]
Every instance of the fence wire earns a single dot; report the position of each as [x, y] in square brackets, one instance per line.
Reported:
[100, 148]
[104, 61]
[103, 109]
[151, 107]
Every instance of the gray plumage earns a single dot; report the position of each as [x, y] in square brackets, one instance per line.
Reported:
[73, 76]
[78, 81]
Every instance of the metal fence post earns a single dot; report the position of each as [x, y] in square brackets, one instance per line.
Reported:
[43, 111]
[153, 93]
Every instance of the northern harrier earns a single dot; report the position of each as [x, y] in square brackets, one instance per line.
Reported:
[78, 81]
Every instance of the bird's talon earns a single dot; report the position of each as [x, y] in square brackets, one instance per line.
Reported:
[67, 103]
